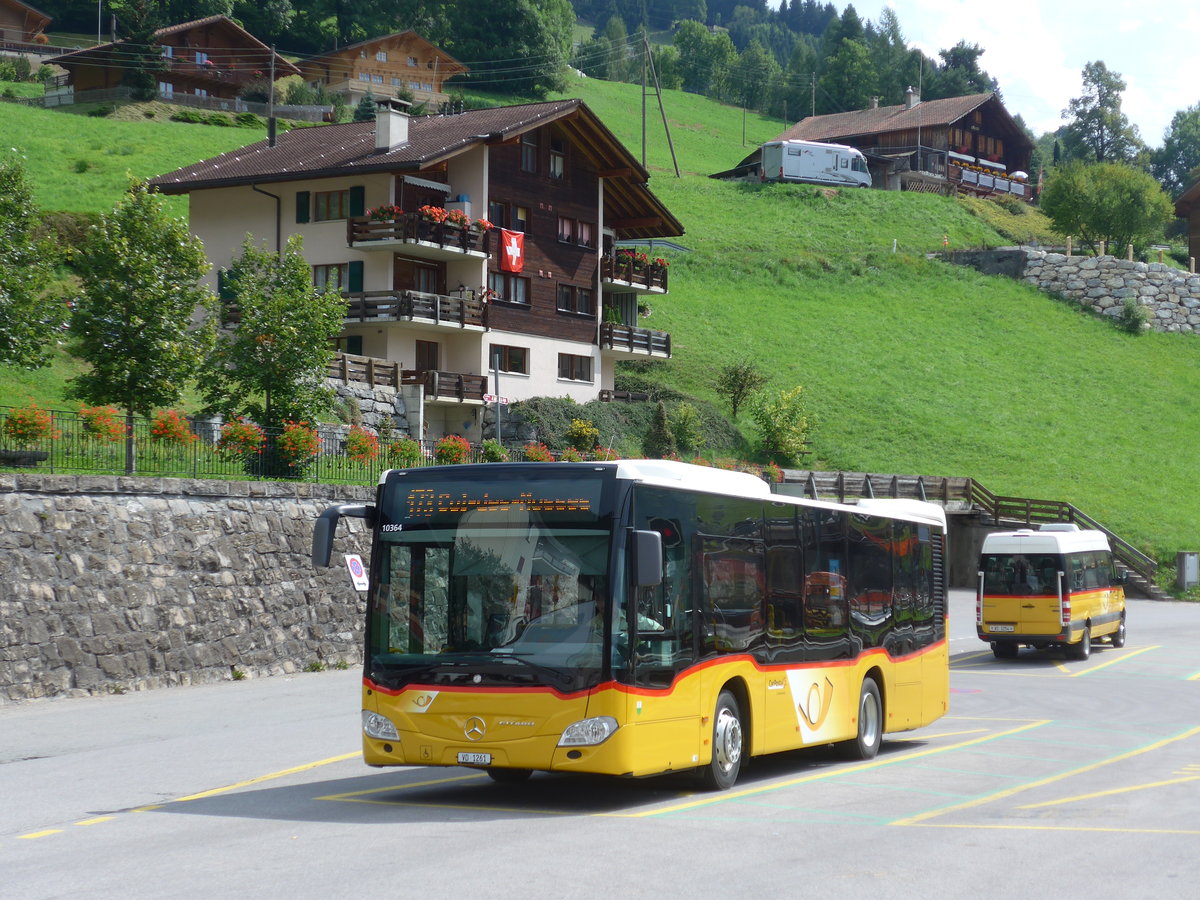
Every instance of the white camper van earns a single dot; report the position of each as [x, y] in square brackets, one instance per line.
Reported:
[815, 163]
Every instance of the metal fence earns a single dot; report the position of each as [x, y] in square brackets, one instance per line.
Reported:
[69, 448]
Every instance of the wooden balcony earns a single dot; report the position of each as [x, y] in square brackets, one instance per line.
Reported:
[414, 235]
[621, 273]
[987, 184]
[347, 368]
[429, 311]
[448, 387]
[629, 341]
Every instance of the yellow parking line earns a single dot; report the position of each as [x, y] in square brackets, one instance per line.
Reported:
[261, 778]
[1195, 677]
[1110, 792]
[921, 818]
[1113, 662]
[38, 834]
[833, 772]
[96, 821]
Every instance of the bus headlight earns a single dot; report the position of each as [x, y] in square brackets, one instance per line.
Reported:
[588, 732]
[378, 726]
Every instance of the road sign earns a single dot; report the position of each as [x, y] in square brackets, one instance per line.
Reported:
[357, 573]
[492, 398]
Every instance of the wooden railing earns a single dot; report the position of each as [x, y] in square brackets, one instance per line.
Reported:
[376, 306]
[634, 340]
[414, 227]
[987, 183]
[447, 385]
[366, 370]
[645, 275]
[607, 396]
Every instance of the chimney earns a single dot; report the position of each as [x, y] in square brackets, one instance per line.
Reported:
[874, 103]
[391, 124]
[911, 98]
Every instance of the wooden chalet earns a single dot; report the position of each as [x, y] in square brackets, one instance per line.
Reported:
[383, 66]
[212, 57]
[1188, 207]
[21, 24]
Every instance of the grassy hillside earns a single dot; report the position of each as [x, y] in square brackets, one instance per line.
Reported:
[908, 365]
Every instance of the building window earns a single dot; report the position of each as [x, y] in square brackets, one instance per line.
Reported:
[351, 344]
[572, 299]
[520, 218]
[558, 150]
[510, 359]
[381, 55]
[586, 235]
[201, 58]
[427, 356]
[509, 288]
[166, 89]
[331, 205]
[377, 79]
[412, 61]
[168, 51]
[498, 214]
[529, 151]
[330, 278]
[566, 230]
[396, 82]
[574, 368]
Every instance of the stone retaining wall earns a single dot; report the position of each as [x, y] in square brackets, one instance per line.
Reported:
[1170, 296]
[110, 584]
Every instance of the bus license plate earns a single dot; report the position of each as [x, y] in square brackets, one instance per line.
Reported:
[1003, 627]
[474, 759]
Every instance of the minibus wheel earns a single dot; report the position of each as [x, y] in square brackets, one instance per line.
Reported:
[728, 745]
[1005, 649]
[1118, 637]
[870, 724]
[1082, 649]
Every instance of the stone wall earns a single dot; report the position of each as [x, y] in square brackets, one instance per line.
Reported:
[110, 584]
[1171, 297]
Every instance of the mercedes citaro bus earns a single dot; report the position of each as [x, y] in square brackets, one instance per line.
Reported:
[639, 617]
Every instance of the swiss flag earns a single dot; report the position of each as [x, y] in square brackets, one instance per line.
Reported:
[512, 250]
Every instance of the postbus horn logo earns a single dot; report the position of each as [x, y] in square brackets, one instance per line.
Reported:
[816, 705]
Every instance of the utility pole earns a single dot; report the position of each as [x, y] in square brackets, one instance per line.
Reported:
[661, 109]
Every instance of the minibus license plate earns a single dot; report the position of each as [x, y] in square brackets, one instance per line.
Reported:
[474, 759]
[993, 628]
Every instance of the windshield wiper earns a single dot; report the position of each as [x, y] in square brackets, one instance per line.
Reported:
[563, 678]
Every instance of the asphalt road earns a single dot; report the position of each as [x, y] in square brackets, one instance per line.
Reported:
[1068, 779]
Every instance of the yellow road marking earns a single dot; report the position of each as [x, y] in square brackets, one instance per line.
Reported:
[1195, 677]
[1112, 662]
[833, 772]
[1009, 792]
[944, 734]
[96, 821]
[259, 780]
[1124, 790]
[1062, 668]
[971, 656]
[38, 834]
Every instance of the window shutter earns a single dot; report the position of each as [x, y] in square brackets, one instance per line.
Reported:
[224, 285]
[355, 277]
[303, 212]
[358, 200]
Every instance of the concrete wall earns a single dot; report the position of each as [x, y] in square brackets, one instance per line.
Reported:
[110, 584]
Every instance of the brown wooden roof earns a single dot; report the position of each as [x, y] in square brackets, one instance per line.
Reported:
[35, 18]
[447, 64]
[863, 122]
[340, 150]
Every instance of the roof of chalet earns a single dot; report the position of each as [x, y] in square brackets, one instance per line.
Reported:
[885, 119]
[348, 149]
[33, 9]
[1188, 201]
[451, 64]
[82, 56]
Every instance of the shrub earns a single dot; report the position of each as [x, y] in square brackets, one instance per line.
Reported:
[659, 442]
[169, 426]
[582, 435]
[737, 382]
[782, 425]
[218, 119]
[772, 473]
[298, 443]
[404, 453]
[493, 451]
[605, 454]
[687, 428]
[451, 450]
[188, 115]
[538, 452]
[571, 455]
[248, 120]
[80, 166]
[1132, 317]
[240, 438]
[102, 423]
[361, 445]
[99, 112]
[29, 425]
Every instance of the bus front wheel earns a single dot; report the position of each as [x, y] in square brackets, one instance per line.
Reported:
[1118, 636]
[728, 744]
[870, 724]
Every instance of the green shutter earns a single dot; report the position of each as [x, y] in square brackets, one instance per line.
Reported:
[358, 200]
[224, 285]
[355, 277]
[303, 211]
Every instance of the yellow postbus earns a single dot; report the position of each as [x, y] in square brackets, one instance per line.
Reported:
[639, 617]
[1055, 587]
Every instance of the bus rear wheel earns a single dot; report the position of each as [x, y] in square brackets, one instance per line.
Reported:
[728, 744]
[870, 724]
[1082, 649]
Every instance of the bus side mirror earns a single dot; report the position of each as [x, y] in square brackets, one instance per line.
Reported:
[323, 531]
[647, 558]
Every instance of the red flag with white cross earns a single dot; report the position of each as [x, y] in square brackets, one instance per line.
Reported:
[512, 250]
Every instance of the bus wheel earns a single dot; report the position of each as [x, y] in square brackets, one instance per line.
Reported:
[509, 776]
[1083, 649]
[1118, 636]
[727, 745]
[870, 724]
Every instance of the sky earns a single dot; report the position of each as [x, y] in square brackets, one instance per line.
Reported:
[1036, 50]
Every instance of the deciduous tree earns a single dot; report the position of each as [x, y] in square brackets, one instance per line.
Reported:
[1108, 202]
[28, 319]
[1179, 156]
[1097, 130]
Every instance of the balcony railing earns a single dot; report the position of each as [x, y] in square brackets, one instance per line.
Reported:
[414, 229]
[987, 183]
[448, 386]
[624, 273]
[347, 368]
[416, 306]
[629, 339]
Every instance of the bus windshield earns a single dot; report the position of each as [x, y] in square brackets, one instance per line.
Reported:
[1021, 573]
[506, 591]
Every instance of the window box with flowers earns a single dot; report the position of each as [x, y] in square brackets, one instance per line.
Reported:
[387, 213]
[435, 214]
